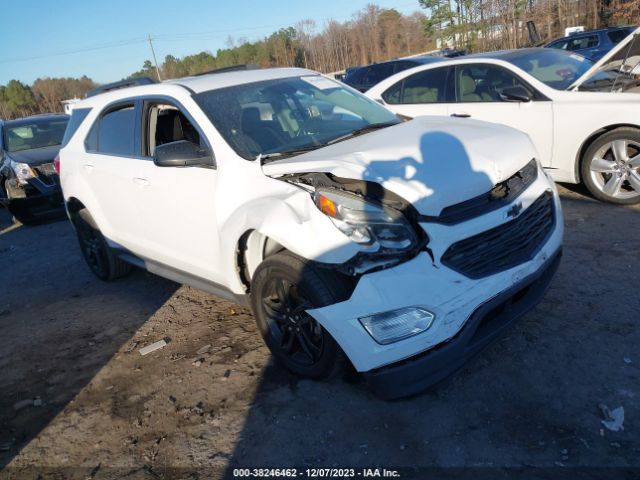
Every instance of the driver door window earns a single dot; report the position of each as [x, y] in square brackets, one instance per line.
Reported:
[484, 83]
[165, 124]
[478, 89]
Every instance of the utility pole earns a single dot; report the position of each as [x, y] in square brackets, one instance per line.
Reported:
[153, 52]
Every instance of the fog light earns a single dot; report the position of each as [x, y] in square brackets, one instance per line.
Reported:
[395, 325]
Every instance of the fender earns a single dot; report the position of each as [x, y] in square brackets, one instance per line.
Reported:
[292, 221]
[75, 187]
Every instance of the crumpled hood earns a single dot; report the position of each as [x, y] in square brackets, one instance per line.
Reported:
[432, 162]
[35, 156]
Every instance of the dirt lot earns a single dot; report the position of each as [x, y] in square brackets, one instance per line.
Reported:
[530, 400]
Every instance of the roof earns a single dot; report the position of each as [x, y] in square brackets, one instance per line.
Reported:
[597, 30]
[30, 119]
[195, 84]
[215, 80]
[421, 59]
[509, 55]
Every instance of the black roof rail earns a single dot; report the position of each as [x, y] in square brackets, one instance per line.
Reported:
[129, 82]
[232, 68]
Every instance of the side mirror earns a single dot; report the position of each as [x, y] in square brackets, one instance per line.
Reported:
[516, 94]
[182, 154]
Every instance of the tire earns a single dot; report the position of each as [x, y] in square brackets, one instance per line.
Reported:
[283, 287]
[610, 167]
[100, 258]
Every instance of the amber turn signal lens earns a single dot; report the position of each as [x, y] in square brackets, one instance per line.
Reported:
[327, 206]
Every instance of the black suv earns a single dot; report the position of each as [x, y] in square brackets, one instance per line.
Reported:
[29, 183]
[363, 78]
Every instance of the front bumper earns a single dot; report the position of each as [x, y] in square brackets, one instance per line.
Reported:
[486, 324]
[427, 283]
[42, 200]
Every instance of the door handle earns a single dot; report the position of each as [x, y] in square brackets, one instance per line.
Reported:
[88, 166]
[143, 182]
[460, 115]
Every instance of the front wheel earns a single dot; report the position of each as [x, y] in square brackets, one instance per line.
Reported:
[610, 167]
[283, 288]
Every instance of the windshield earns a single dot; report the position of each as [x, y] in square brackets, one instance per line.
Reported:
[289, 114]
[557, 69]
[35, 134]
[621, 73]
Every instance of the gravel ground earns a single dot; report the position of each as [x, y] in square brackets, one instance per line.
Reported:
[102, 410]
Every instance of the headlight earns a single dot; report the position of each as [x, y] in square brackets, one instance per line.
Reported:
[395, 325]
[23, 172]
[365, 223]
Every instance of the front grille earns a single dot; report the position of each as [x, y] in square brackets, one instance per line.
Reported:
[502, 194]
[506, 245]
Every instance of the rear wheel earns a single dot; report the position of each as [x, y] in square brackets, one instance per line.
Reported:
[283, 288]
[100, 258]
[610, 167]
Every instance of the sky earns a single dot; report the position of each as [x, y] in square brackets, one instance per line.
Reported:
[106, 40]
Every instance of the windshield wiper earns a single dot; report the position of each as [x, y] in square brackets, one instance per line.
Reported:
[271, 157]
[362, 130]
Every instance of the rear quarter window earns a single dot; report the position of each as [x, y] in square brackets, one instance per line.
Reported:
[616, 36]
[77, 117]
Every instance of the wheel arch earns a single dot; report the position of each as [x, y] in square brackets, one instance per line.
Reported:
[73, 206]
[252, 248]
[269, 225]
[592, 138]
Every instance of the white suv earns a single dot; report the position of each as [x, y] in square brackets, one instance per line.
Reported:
[400, 247]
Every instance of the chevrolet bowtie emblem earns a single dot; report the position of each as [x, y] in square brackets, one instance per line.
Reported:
[514, 211]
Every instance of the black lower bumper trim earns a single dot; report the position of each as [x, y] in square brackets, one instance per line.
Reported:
[37, 206]
[487, 323]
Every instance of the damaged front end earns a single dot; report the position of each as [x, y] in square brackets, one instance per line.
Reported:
[380, 222]
[33, 191]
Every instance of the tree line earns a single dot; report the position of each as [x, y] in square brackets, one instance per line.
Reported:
[372, 34]
[486, 25]
[44, 95]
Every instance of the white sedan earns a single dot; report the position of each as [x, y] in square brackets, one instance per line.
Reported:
[583, 132]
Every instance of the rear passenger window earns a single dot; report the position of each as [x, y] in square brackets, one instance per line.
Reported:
[114, 132]
[428, 86]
